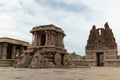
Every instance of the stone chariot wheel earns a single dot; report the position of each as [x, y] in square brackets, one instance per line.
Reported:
[66, 60]
[58, 59]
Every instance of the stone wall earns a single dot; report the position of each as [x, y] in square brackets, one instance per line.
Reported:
[101, 48]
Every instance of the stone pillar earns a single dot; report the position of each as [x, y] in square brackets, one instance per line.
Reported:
[62, 43]
[4, 55]
[22, 49]
[48, 38]
[1, 51]
[46, 42]
[58, 39]
[35, 40]
[38, 39]
[13, 51]
[95, 58]
[61, 40]
[52, 38]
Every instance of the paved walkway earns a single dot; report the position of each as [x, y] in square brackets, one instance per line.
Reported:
[94, 73]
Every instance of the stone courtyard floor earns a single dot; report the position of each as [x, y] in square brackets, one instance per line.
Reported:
[94, 73]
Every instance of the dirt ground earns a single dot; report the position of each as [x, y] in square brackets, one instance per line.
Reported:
[94, 73]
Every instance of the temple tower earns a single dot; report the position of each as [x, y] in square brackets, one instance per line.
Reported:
[101, 48]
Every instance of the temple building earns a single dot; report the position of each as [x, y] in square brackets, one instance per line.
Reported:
[10, 50]
[101, 48]
[47, 48]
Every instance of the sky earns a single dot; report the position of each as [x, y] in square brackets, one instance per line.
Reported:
[75, 17]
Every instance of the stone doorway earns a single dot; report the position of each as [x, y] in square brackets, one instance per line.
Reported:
[9, 51]
[43, 39]
[100, 59]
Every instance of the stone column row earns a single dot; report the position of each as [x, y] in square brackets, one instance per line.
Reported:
[14, 51]
[52, 38]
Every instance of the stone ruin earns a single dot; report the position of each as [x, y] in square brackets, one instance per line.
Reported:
[47, 49]
[101, 48]
[10, 50]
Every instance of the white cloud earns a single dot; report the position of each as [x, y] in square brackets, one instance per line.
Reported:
[6, 21]
[7, 4]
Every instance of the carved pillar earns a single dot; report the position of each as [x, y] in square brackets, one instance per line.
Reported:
[38, 39]
[1, 51]
[4, 55]
[61, 40]
[52, 38]
[35, 40]
[22, 50]
[49, 38]
[46, 42]
[58, 39]
[14, 52]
